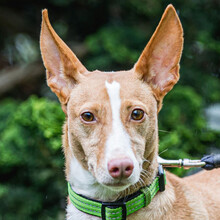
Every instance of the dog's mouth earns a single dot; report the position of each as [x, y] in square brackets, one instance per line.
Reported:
[116, 184]
[117, 187]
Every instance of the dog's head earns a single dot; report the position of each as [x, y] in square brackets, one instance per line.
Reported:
[111, 126]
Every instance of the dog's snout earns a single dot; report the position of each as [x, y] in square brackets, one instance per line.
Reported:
[120, 168]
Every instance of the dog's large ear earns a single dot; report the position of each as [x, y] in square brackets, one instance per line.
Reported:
[62, 66]
[158, 64]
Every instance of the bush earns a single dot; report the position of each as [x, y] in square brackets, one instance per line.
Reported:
[32, 178]
[182, 127]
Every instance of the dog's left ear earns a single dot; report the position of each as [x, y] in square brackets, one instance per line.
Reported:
[158, 64]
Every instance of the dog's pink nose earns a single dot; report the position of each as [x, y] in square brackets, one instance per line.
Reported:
[120, 168]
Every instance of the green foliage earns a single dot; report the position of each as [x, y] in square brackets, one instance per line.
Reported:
[182, 127]
[32, 179]
[112, 46]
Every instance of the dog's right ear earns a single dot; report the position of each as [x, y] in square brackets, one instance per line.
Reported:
[63, 67]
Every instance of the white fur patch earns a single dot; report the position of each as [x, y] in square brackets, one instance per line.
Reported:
[118, 144]
[83, 182]
[74, 214]
[79, 177]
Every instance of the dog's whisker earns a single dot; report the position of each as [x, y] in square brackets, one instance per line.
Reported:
[145, 160]
[163, 151]
[144, 177]
[135, 186]
[127, 193]
[120, 195]
[163, 131]
[141, 182]
[146, 173]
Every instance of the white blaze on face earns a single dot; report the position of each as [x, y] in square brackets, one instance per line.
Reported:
[118, 144]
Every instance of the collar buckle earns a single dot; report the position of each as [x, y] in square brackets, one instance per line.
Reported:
[114, 205]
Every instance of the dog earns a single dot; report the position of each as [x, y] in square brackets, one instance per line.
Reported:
[110, 136]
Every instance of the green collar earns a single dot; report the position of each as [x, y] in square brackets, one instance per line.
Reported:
[120, 209]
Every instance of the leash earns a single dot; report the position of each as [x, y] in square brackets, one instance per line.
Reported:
[208, 162]
[120, 209]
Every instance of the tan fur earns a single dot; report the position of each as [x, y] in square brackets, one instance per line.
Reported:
[144, 86]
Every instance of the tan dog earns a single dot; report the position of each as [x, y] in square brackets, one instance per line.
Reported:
[110, 136]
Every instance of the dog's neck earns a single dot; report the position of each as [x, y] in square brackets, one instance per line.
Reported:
[84, 183]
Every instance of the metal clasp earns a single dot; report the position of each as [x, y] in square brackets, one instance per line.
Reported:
[185, 163]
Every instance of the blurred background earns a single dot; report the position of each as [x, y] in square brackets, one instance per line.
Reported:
[105, 35]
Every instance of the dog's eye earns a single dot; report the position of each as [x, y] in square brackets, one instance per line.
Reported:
[137, 114]
[88, 116]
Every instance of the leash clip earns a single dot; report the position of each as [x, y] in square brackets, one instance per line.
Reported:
[114, 205]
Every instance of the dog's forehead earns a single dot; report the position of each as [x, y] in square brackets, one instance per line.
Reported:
[93, 87]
